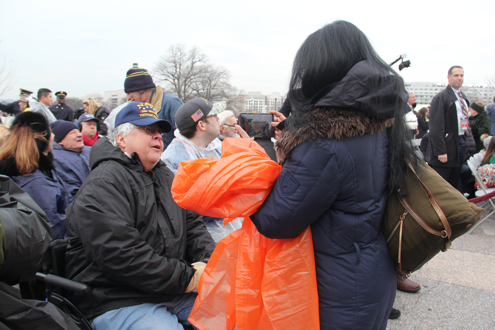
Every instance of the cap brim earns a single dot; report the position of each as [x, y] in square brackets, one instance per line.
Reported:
[164, 125]
[90, 119]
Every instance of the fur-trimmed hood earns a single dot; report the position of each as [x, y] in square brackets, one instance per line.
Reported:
[9, 166]
[329, 123]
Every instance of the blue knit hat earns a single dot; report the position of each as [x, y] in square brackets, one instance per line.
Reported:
[138, 79]
[61, 127]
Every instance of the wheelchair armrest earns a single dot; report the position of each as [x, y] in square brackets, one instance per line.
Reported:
[64, 283]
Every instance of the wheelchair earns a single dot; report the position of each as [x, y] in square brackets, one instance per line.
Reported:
[56, 286]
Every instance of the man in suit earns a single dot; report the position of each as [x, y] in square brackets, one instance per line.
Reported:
[449, 126]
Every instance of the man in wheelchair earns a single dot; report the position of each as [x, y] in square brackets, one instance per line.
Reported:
[140, 252]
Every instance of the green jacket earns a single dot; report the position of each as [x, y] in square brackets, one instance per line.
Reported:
[480, 124]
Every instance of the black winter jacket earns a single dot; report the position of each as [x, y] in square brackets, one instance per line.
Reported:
[422, 127]
[128, 239]
[102, 113]
[444, 131]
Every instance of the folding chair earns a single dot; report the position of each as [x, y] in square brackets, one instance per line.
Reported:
[473, 164]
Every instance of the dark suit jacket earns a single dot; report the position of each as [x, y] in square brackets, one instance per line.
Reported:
[444, 131]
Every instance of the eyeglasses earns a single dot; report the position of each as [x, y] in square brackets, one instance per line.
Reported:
[229, 125]
[150, 130]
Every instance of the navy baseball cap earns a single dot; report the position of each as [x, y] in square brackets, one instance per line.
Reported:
[86, 117]
[141, 114]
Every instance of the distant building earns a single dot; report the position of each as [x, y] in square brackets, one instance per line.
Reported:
[274, 101]
[114, 98]
[95, 96]
[257, 102]
[425, 91]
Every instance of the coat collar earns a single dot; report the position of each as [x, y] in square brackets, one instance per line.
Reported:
[329, 123]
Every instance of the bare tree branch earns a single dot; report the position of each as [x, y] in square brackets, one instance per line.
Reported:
[180, 68]
[188, 74]
[7, 76]
[236, 103]
[214, 84]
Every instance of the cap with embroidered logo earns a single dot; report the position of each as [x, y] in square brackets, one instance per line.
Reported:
[141, 114]
[86, 117]
[191, 112]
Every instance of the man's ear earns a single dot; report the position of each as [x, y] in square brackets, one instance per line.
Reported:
[201, 126]
[121, 142]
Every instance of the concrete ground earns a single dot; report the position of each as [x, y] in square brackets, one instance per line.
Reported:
[458, 286]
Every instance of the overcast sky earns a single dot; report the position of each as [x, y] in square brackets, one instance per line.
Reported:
[88, 45]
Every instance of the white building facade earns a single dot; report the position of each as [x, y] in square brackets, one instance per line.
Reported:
[425, 91]
[114, 98]
[257, 102]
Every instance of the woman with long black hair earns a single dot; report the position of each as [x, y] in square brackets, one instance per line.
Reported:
[345, 151]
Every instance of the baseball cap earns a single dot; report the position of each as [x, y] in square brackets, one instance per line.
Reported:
[86, 117]
[191, 112]
[141, 114]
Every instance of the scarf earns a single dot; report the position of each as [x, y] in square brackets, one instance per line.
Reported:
[156, 99]
[89, 142]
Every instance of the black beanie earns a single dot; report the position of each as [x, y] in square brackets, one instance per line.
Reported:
[37, 123]
[138, 79]
[61, 127]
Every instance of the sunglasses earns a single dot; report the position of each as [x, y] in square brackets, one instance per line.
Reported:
[150, 130]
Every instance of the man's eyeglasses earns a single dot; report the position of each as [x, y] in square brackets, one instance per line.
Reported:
[150, 130]
[228, 125]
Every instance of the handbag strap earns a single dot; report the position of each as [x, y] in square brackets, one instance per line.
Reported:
[447, 232]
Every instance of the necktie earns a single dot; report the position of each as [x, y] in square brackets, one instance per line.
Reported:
[464, 110]
[463, 105]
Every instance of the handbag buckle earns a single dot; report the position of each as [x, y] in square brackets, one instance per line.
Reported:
[444, 234]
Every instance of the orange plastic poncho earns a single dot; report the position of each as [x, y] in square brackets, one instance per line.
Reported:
[250, 281]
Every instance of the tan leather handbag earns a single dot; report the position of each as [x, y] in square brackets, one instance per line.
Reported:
[426, 220]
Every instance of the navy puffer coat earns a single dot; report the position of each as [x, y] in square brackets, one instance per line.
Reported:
[335, 180]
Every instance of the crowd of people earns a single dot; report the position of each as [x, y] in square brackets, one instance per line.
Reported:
[103, 179]
[452, 130]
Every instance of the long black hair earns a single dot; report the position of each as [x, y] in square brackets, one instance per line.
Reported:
[323, 60]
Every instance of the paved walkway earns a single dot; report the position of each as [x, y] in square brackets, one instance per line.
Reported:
[458, 287]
